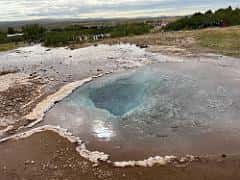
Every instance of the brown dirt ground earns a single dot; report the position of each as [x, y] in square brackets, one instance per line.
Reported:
[47, 156]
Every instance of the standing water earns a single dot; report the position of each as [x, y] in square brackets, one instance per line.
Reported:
[161, 109]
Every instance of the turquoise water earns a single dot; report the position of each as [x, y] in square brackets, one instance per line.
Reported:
[118, 96]
[154, 110]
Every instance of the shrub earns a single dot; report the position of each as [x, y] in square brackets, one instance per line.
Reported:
[221, 17]
[34, 33]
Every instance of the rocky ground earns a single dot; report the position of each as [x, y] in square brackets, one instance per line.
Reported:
[19, 93]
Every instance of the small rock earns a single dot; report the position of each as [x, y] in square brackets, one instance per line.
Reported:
[162, 135]
[27, 162]
[224, 155]
[142, 46]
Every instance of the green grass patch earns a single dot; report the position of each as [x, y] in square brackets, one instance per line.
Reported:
[225, 41]
[7, 46]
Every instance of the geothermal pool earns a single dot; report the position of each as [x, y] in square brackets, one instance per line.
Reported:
[160, 109]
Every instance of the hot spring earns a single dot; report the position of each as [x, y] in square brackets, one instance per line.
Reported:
[161, 109]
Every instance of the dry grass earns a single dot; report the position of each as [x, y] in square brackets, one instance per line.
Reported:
[215, 40]
[221, 40]
[7, 46]
[11, 46]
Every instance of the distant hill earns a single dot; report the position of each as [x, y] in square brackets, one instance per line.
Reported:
[65, 22]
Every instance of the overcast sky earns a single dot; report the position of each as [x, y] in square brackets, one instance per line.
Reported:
[37, 9]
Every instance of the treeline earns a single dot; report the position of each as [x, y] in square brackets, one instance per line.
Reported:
[29, 33]
[76, 33]
[73, 33]
[5, 39]
[34, 33]
[219, 18]
[130, 29]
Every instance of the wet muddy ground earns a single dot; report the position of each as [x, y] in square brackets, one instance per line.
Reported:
[48, 156]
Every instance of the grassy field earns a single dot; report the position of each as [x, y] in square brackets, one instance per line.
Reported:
[10, 46]
[220, 40]
[7, 46]
[224, 41]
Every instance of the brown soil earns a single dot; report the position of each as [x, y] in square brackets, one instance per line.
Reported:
[7, 72]
[46, 155]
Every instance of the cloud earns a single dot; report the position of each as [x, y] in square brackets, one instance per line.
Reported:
[36, 9]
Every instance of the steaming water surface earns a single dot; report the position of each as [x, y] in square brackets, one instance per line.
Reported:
[166, 108]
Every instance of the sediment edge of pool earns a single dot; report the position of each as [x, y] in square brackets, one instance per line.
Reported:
[96, 157]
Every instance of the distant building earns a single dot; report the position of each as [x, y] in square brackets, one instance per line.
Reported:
[94, 37]
[15, 35]
[158, 25]
[97, 37]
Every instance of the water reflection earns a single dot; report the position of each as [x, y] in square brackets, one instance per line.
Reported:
[102, 130]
